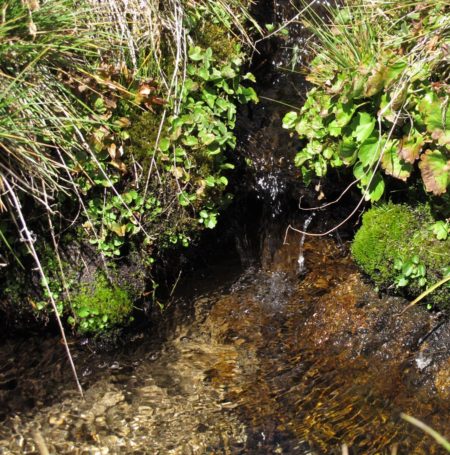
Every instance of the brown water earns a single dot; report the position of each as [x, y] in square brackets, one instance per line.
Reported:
[271, 363]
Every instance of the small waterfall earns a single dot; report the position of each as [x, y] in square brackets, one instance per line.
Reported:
[301, 256]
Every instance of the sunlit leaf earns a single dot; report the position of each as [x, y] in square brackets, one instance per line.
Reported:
[393, 165]
[440, 230]
[376, 188]
[369, 152]
[410, 146]
[435, 169]
[289, 120]
[365, 126]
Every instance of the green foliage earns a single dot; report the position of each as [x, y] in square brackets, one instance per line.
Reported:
[193, 147]
[99, 306]
[380, 101]
[84, 94]
[409, 271]
[396, 247]
[111, 220]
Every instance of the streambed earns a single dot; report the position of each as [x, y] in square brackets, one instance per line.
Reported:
[265, 362]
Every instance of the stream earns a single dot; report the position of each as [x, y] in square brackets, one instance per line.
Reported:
[264, 363]
[279, 347]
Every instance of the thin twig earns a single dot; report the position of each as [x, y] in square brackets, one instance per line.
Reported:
[28, 238]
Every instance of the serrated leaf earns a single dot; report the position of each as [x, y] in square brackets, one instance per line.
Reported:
[393, 165]
[435, 113]
[435, 170]
[410, 147]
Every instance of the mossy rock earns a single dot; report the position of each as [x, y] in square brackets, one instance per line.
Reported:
[99, 306]
[395, 233]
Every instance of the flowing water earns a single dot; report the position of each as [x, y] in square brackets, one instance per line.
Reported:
[301, 256]
[265, 363]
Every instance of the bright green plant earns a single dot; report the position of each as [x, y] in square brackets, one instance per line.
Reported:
[193, 149]
[409, 270]
[78, 86]
[441, 229]
[396, 247]
[380, 101]
[111, 220]
[98, 306]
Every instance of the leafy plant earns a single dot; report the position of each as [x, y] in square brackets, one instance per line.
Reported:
[441, 229]
[111, 220]
[380, 101]
[99, 306]
[193, 149]
[410, 269]
[79, 82]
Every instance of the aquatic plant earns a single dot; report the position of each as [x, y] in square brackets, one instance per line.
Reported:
[396, 247]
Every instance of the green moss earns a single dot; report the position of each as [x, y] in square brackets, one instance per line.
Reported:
[218, 38]
[99, 306]
[143, 133]
[394, 233]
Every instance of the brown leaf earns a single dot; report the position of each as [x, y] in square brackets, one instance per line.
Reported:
[110, 103]
[123, 122]
[410, 147]
[33, 5]
[113, 153]
[435, 170]
[393, 164]
[119, 165]
[146, 89]
[157, 100]
[376, 80]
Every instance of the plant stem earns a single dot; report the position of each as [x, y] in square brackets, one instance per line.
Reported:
[426, 292]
